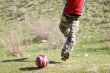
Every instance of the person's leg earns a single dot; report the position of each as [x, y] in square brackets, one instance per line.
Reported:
[73, 23]
[64, 25]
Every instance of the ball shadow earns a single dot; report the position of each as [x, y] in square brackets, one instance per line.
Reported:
[29, 68]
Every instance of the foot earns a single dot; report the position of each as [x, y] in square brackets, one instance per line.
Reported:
[65, 53]
[65, 56]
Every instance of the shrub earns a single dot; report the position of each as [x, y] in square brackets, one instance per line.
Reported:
[13, 43]
[45, 29]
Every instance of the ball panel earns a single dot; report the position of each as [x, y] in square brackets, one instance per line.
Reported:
[42, 61]
[38, 62]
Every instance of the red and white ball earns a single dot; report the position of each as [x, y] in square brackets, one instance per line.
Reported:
[42, 61]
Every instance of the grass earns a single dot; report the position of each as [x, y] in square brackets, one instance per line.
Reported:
[92, 50]
[95, 59]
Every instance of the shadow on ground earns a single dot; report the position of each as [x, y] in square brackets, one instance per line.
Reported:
[54, 62]
[29, 68]
[36, 68]
[16, 60]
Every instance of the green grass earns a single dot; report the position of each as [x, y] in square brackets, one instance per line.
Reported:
[92, 50]
[97, 61]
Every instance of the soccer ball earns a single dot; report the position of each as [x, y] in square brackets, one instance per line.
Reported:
[42, 61]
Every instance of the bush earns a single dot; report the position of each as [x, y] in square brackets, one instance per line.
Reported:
[13, 43]
[45, 29]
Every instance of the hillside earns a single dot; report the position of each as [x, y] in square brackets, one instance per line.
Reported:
[22, 17]
[30, 27]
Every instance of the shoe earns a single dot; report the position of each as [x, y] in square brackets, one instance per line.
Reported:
[65, 56]
[65, 53]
